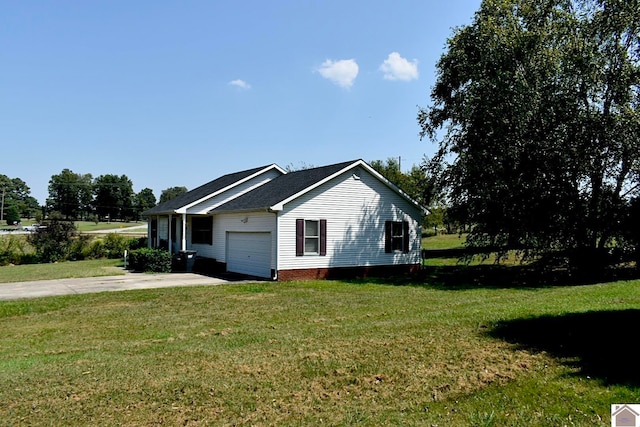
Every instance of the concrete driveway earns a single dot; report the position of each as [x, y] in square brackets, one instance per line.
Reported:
[45, 288]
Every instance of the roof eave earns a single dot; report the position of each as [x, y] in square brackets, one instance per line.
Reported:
[184, 208]
[150, 213]
[233, 211]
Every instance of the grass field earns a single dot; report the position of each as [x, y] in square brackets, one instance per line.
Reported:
[62, 270]
[87, 226]
[323, 353]
[460, 345]
[443, 241]
[449, 250]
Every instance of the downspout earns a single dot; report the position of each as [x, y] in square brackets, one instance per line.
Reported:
[149, 237]
[275, 273]
[183, 242]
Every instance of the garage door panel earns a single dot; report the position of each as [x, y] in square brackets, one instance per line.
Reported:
[249, 253]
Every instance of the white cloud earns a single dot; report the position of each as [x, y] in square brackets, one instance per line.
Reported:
[395, 67]
[342, 72]
[240, 83]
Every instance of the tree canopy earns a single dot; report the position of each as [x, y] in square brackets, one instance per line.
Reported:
[143, 201]
[77, 196]
[170, 193]
[16, 199]
[113, 196]
[70, 194]
[536, 114]
[416, 184]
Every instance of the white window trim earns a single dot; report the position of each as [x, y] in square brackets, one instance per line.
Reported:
[316, 237]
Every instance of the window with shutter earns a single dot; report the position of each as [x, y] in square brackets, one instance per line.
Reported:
[396, 236]
[311, 237]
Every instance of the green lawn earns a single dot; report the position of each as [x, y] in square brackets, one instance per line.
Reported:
[62, 270]
[443, 241]
[450, 250]
[88, 226]
[323, 353]
[84, 226]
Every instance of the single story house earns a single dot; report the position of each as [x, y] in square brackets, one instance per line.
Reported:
[338, 220]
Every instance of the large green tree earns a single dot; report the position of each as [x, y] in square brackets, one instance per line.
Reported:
[143, 201]
[536, 115]
[415, 183]
[70, 194]
[113, 196]
[15, 195]
[171, 193]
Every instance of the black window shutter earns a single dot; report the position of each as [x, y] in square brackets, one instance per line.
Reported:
[387, 236]
[323, 237]
[299, 237]
[405, 236]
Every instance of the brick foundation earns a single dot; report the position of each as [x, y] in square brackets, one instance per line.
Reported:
[212, 266]
[347, 272]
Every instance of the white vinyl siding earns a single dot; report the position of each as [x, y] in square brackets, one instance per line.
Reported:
[240, 222]
[356, 211]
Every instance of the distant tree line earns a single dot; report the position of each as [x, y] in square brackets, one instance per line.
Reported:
[106, 197]
[75, 196]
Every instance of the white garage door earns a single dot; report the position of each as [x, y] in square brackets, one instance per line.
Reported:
[249, 253]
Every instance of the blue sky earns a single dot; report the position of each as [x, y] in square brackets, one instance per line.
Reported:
[176, 93]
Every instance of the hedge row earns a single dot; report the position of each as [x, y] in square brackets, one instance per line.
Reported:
[150, 260]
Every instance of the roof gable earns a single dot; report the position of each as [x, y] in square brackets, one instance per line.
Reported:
[276, 193]
[282, 188]
[208, 190]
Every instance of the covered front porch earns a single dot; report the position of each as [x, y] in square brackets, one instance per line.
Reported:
[168, 232]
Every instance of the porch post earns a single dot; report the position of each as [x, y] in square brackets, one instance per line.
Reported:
[183, 243]
[169, 234]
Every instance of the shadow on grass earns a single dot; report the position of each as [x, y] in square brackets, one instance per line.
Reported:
[493, 276]
[551, 270]
[601, 344]
[519, 276]
[457, 252]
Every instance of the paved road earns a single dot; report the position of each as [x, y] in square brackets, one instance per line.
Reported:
[43, 288]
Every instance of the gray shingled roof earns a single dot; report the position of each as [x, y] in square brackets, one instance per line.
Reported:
[202, 191]
[281, 188]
